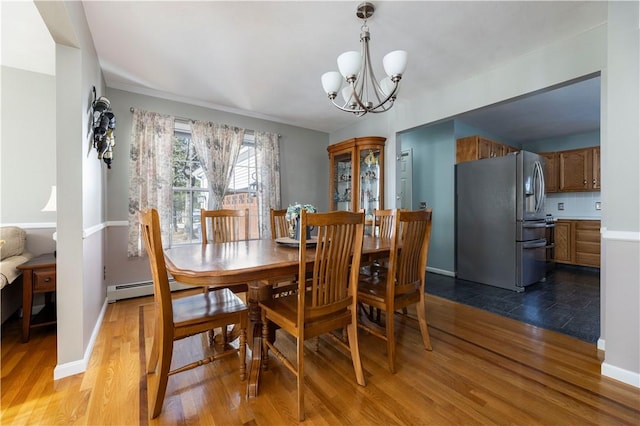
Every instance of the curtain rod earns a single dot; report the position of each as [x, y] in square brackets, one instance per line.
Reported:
[191, 119]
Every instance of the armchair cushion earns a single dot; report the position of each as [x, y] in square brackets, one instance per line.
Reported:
[12, 245]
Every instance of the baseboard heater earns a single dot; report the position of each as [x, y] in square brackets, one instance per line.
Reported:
[140, 289]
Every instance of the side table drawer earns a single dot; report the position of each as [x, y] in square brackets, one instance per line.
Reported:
[44, 280]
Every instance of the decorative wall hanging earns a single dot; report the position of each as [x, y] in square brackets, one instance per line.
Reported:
[104, 123]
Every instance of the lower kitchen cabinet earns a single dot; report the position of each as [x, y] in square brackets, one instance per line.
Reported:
[577, 242]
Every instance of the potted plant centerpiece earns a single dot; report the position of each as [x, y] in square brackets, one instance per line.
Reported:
[293, 216]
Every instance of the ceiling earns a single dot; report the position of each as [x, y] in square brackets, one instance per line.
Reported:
[264, 59]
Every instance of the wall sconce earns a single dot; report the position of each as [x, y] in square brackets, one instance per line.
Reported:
[104, 123]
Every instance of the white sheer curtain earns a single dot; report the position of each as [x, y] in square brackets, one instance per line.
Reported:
[268, 174]
[150, 172]
[217, 146]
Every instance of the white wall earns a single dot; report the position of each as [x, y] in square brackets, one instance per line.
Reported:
[81, 296]
[608, 49]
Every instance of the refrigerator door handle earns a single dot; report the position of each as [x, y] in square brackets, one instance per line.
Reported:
[534, 244]
[539, 187]
[535, 225]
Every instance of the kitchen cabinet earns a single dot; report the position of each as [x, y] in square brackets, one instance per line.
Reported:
[579, 170]
[550, 171]
[562, 239]
[577, 242]
[477, 148]
[357, 174]
[587, 242]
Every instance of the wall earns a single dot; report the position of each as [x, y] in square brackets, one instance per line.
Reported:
[620, 301]
[81, 296]
[304, 164]
[433, 150]
[614, 49]
[28, 160]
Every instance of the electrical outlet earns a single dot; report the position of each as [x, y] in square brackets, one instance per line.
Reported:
[598, 205]
[560, 206]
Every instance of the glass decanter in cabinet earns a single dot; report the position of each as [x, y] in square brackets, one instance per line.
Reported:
[357, 175]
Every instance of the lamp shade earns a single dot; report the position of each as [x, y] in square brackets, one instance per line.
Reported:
[52, 203]
[349, 63]
[395, 63]
[331, 82]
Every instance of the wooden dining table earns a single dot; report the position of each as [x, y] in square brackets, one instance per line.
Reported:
[255, 262]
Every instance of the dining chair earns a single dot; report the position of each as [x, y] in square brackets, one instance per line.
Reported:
[403, 284]
[280, 229]
[279, 224]
[224, 225]
[326, 301]
[383, 222]
[180, 317]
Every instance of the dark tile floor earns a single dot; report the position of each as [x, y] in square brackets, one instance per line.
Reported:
[568, 302]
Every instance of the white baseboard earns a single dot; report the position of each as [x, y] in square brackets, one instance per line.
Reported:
[441, 271]
[601, 344]
[138, 289]
[625, 376]
[80, 366]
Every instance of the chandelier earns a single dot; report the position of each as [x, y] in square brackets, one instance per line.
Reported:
[363, 93]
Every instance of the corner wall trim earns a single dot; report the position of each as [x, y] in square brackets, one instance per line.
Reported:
[94, 229]
[80, 366]
[625, 376]
[620, 235]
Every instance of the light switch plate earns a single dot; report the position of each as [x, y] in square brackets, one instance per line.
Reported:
[598, 205]
[560, 206]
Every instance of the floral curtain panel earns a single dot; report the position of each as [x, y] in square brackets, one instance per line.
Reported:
[150, 172]
[268, 168]
[217, 146]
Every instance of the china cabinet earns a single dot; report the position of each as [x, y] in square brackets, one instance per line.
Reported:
[357, 174]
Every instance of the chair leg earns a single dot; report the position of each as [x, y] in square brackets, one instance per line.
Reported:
[153, 357]
[352, 331]
[391, 340]
[265, 339]
[422, 320]
[300, 374]
[243, 350]
[159, 382]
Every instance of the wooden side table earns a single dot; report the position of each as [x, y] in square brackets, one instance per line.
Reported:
[38, 276]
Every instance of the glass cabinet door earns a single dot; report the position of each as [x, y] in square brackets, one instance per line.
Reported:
[370, 181]
[342, 182]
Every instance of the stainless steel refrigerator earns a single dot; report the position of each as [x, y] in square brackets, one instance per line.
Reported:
[500, 221]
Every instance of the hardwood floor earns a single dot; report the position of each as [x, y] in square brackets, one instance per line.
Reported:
[484, 369]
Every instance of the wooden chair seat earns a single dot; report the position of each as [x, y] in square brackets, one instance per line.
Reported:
[182, 316]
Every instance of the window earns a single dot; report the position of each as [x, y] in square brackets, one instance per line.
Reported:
[191, 187]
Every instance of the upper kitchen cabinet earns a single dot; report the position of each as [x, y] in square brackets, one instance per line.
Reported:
[478, 147]
[550, 171]
[357, 174]
[579, 169]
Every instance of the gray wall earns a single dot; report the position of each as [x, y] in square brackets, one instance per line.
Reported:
[28, 160]
[304, 170]
[433, 149]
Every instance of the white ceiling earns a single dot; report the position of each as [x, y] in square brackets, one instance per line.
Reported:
[265, 58]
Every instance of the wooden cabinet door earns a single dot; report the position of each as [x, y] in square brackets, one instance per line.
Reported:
[575, 168]
[563, 240]
[485, 148]
[595, 181]
[587, 242]
[550, 171]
